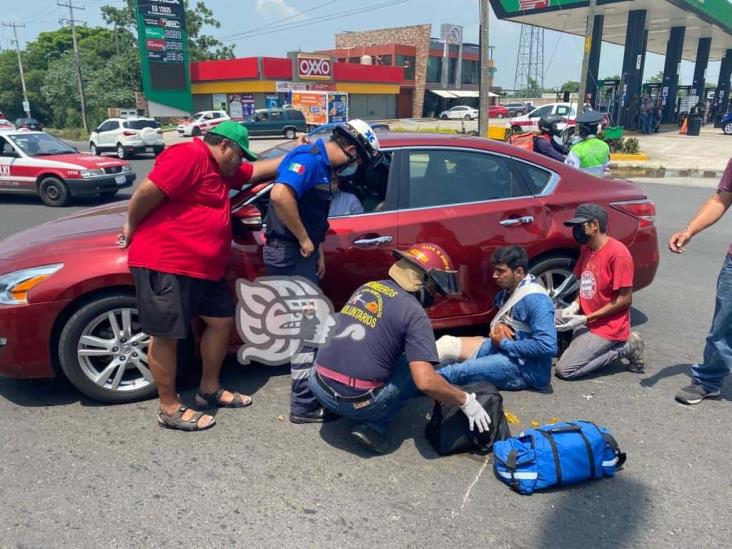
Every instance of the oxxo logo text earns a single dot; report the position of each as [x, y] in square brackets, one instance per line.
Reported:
[314, 67]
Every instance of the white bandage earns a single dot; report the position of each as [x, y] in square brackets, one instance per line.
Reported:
[448, 349]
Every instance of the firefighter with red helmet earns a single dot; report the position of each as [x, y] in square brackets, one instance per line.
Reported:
[389, 351]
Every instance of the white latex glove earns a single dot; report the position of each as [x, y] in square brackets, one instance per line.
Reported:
[476, 413]
[570, 310]
[572, 322]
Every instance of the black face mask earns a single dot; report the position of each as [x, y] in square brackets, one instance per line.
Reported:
[425, 298]
[579, 234]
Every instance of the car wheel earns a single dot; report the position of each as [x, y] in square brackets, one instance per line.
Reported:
[93, 149]
[468, 117]
[556, 275]
[728, 128]
[290, 133]
[53, 192]
[499, 115]
[443, 117]
[103, 351]
[121, 153]
[158, 152]
[196, 131]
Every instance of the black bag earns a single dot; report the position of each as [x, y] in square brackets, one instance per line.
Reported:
[449, 431]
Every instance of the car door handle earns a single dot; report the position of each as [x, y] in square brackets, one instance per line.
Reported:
[525, 220]
[368, 242]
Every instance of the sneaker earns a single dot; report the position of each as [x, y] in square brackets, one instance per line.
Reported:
[370, 438]
[694, 394]
[636, 355]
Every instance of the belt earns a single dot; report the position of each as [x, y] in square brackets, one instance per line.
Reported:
[349, 381]
[278, 243]
[352, 399]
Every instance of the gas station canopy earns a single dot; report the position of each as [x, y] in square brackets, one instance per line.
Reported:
[702, 19]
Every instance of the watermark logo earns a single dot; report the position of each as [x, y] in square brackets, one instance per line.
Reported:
[277, 316]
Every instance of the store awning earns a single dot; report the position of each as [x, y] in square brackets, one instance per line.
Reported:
[453, 94]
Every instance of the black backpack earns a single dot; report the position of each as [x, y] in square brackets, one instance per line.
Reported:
[449, 431]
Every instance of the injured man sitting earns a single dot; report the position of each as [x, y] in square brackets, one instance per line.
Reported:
[523, 341]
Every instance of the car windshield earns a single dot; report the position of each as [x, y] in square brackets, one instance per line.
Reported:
[41, 144]
[141, 124]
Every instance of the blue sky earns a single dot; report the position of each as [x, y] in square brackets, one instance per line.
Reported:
[562, 56]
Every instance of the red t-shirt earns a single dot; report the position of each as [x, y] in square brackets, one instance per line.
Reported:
[190, 232]
[602, 274]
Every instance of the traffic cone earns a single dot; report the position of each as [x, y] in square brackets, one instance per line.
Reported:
[682, 131]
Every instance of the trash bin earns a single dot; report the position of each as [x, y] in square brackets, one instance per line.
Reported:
[694, 125]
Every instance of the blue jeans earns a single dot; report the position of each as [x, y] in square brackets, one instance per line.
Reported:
[382, 407]
[488, 364]
[718, 350]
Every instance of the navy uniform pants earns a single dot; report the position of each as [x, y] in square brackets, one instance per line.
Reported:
[284, 259]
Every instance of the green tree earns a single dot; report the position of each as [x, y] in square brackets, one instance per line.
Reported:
[201, 46]
[571, 86]
[533, 89]
[656, 78]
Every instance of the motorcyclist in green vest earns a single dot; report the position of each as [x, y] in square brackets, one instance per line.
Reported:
[591, 155]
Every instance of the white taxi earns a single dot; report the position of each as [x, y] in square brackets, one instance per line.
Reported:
[201, 122]
[41, 164]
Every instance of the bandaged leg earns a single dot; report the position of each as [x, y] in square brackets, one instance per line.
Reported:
[448, 349]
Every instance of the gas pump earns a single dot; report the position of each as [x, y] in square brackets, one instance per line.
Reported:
[684, 103]
[607, 98]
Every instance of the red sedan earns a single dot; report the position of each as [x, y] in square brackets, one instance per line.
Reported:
[67, 304]
[498, 111]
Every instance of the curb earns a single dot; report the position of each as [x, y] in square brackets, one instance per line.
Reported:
[626, 157]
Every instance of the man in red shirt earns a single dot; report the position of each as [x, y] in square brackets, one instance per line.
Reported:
[600, 317]
[179, 233]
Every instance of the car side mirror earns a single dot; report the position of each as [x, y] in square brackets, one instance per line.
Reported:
[250, 218]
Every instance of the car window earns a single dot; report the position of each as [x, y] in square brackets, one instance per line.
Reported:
[562, 110]
[442, 177]
[370, 187]
[294, 114]
[141, 124]
[6, 149]
[43, 144]
[536, 177]
[542, 111]
[109, 125]
[275, 115]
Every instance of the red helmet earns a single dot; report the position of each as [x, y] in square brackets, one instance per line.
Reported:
[433, 260]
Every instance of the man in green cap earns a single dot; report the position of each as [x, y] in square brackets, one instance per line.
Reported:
[179, 235]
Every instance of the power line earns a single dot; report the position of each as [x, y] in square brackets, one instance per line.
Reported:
[26, 105]
[72, 22]
[273, 23]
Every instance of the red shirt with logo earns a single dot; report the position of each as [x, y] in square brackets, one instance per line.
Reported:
[189, 233]
[602, 274]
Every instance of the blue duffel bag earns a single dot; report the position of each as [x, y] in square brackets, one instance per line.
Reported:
[556, 454]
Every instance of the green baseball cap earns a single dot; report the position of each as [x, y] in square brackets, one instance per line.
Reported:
[237, 133]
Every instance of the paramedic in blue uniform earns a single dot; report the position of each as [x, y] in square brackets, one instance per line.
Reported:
[297, 221]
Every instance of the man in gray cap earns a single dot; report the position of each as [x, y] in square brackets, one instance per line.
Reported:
[600, 317]
[591, 155]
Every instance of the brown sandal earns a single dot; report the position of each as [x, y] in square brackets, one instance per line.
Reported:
[176, 421]
[213, 400]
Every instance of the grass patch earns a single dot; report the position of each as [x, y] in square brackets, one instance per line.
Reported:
[72, 134]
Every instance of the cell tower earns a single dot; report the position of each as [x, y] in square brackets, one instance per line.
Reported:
[530, 63]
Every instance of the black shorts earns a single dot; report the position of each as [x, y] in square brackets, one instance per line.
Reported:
[167, 303]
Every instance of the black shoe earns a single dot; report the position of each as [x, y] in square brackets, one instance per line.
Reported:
[319, 415]
[371, 439]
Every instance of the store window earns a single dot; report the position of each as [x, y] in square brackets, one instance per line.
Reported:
[471, 72]
[408, 63]
[434, 69]
[383, 59]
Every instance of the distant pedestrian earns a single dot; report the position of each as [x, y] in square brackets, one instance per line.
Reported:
[708, 376]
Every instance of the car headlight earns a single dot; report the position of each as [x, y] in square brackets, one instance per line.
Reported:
[126, 168]
[14, 287]
[86, 174]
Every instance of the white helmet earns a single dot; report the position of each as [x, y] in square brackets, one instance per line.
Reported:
[363, 136]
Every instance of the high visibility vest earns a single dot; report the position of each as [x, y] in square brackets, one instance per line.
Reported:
[592, 153]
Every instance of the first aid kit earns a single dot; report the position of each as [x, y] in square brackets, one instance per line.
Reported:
[555, 455]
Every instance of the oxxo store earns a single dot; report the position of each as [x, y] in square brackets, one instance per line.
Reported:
[241, 85]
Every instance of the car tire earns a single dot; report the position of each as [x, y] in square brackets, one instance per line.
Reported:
[158, 152]
[196, 132]
[728, 128]
[53, 192]
[290, 133]
[443, 117]
[93, 149]
[499, 116]
[468, 117]
[89, 320]
[121, 152]
[551, 272]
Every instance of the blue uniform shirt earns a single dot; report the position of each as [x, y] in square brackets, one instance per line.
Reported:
[306, 170]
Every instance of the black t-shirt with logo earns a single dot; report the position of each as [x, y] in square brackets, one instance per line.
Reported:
[394, 323]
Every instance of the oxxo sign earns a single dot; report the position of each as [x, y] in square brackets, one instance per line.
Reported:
[314, 67]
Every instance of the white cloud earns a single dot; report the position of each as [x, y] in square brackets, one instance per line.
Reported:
[276, 8]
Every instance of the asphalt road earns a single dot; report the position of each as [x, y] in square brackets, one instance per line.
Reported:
[78, 474]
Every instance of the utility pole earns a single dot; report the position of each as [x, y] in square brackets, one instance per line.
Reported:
[484, 70]
[586, 57]
[26, 105]
[77, 61]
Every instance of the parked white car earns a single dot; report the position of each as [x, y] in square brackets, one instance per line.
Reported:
[530, 122]
[460, 112]
[127, 137]
[201, 122]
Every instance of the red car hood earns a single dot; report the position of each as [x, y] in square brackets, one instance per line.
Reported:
[85, 230]
[83, 160]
